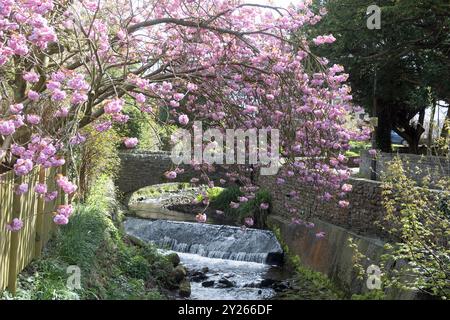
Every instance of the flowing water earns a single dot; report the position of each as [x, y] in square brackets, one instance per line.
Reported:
[232, 261]
[241, 273]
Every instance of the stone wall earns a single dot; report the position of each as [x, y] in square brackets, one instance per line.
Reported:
[418, 166]
[361, 217]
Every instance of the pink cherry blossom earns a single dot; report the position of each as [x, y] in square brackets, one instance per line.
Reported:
[344, 204]
[7, 127]
[347, 187]
[131, 143]
[21, 189]
[78, 98]
[33, 95]
[264, 206]
[243, 199]
[234, 205]
[104, 126]
[50, 196]
[65, 210]
[23, 167]
[64, 183]
[249, 222]
[201, 217]
[33, 119]
[15, 225]
[16, 108]
[171, 175]
[320, 235]
[183, 119]
[324, 39]
[114, 106]
[40, 188]
[60, 219]
[31, 77]
[62, 113]
[58, 95]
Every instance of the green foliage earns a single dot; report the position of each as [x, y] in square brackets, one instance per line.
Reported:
[212, 194]
[417, 220]
[97, 157]
[46, 280]
[157, 190]
[251, 208]
[140, 125]
[357, 146]
[111, 268]
[371, 295]
[79, 241]
[399, 67]
[221, 198]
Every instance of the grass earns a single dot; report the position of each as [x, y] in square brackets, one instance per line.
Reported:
[221, 198]
[157, 190]
[111, 267]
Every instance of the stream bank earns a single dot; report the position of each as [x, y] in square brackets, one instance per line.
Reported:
[214, 254]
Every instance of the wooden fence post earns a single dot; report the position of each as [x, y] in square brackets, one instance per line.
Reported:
[39, 237]
[14, 245]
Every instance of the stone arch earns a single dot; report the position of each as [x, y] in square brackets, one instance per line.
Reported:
[141, 169]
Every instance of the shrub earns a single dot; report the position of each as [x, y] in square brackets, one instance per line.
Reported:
[417, 257]
[221, 201]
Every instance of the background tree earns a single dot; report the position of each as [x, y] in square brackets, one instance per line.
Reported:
[396, 71]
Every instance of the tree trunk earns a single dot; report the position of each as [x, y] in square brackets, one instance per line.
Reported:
[444, 132]
[384, 128]
[431, 126]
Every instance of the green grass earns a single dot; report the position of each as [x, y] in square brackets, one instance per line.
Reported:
[111, 267]
[221, 198]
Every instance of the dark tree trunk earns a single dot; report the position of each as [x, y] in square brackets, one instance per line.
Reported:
[384, 128]
[411, 133]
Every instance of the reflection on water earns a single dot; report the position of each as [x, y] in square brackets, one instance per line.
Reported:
[151, 209]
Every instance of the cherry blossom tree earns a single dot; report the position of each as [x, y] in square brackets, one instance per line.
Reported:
[68, 64]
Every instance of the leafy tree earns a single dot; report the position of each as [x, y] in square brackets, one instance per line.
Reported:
[395, 71]
[66, 66]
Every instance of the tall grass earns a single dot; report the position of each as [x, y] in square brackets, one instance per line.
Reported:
[111, 267]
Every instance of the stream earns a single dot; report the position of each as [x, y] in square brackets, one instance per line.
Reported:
[223, 262]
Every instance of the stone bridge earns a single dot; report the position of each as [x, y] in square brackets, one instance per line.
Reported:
[140, 169]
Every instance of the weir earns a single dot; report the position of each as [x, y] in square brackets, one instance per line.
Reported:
[213, 241]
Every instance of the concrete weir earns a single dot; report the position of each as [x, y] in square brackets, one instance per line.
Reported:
[213, 241]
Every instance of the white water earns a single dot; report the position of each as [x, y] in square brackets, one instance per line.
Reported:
[239, 272]
[227, 252]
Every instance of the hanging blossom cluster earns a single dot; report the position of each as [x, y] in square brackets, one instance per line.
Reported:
[23, 25]
[224, 62]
